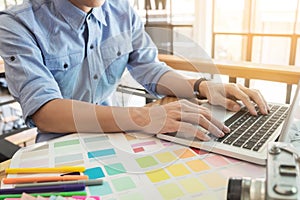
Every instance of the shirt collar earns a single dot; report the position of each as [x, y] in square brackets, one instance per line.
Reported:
[100, 13]
[76, 17]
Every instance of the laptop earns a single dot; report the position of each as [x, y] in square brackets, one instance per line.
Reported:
[249, 134]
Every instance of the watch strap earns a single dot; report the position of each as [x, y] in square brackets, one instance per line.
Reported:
[197, 92]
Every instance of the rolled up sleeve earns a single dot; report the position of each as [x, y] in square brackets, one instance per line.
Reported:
[29, 81]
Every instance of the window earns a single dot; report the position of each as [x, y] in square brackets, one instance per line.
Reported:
[260, 31]
[269, 28]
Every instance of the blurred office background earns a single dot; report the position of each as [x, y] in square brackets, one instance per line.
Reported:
[259, 31]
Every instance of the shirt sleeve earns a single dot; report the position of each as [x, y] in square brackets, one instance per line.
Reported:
[144, 65]
[29, 81]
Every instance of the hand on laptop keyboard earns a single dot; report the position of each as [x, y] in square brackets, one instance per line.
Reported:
[183, 117]
[251, 132]
[227, 96]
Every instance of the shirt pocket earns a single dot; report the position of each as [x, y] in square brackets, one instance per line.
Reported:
[63, 63]
[64, 69]
[115, 55]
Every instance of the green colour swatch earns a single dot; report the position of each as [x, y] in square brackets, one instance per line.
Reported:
[124, 183]
[114, 169]
[134, 196]
[66, 143]
[100, 190]
[146, 161]
[96, 139]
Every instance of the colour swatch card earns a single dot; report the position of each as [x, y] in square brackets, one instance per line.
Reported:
[137, 166]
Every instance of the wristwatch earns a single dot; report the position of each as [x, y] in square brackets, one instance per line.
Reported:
[197, 92]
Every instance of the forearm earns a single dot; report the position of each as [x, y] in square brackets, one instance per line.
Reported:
[175, 84]
[65, 116]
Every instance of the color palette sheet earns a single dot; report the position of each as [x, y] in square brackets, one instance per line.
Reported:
[137, 167]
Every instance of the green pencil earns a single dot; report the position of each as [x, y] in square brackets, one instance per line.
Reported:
[63, 194]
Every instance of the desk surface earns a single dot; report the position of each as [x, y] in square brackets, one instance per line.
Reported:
[137, 166]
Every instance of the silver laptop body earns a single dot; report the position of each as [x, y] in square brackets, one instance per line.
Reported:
[247, 152]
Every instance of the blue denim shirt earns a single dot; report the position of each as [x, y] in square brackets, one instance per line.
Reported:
[52, 49]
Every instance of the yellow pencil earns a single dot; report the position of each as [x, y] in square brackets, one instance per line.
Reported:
[63, 169]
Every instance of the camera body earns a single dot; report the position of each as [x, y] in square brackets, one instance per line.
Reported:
[282, 177]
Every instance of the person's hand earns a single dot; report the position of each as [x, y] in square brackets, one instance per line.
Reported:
[185, 118]
[227, 95]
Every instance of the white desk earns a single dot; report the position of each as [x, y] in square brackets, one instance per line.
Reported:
[139, 167]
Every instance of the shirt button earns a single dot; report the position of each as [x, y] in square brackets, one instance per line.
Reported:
[66, 65]
[12, 58]
[95, 76]
[119, 53]
[92, 46]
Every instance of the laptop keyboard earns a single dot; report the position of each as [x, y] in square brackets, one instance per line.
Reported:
[251, 132]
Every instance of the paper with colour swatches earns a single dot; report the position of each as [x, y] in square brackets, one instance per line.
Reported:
[137, 167]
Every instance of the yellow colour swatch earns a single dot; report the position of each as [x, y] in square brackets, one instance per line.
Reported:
[207, 197]
[184, 153]
[212, 196]
[165, 157]
[192, 185]
[178, 170]
[170, 191]
[198, 165]
[214, 180]
[157, 175]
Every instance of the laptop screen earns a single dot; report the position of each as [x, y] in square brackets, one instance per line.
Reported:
[291, 128]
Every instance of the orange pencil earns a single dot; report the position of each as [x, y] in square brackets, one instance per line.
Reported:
[43, 179]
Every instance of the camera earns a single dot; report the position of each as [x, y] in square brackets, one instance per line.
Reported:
[282, 180]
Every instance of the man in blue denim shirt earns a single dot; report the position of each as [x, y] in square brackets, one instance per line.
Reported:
[64, 58]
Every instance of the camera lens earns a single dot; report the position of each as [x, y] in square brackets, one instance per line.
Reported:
[246, 188]
[234, 189]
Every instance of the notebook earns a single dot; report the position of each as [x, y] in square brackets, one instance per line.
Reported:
[249, 134]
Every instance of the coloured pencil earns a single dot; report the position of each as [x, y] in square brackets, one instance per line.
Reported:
[63, 169]
[43, 179]
[63, 194]
[40, 189]
[86, 182]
